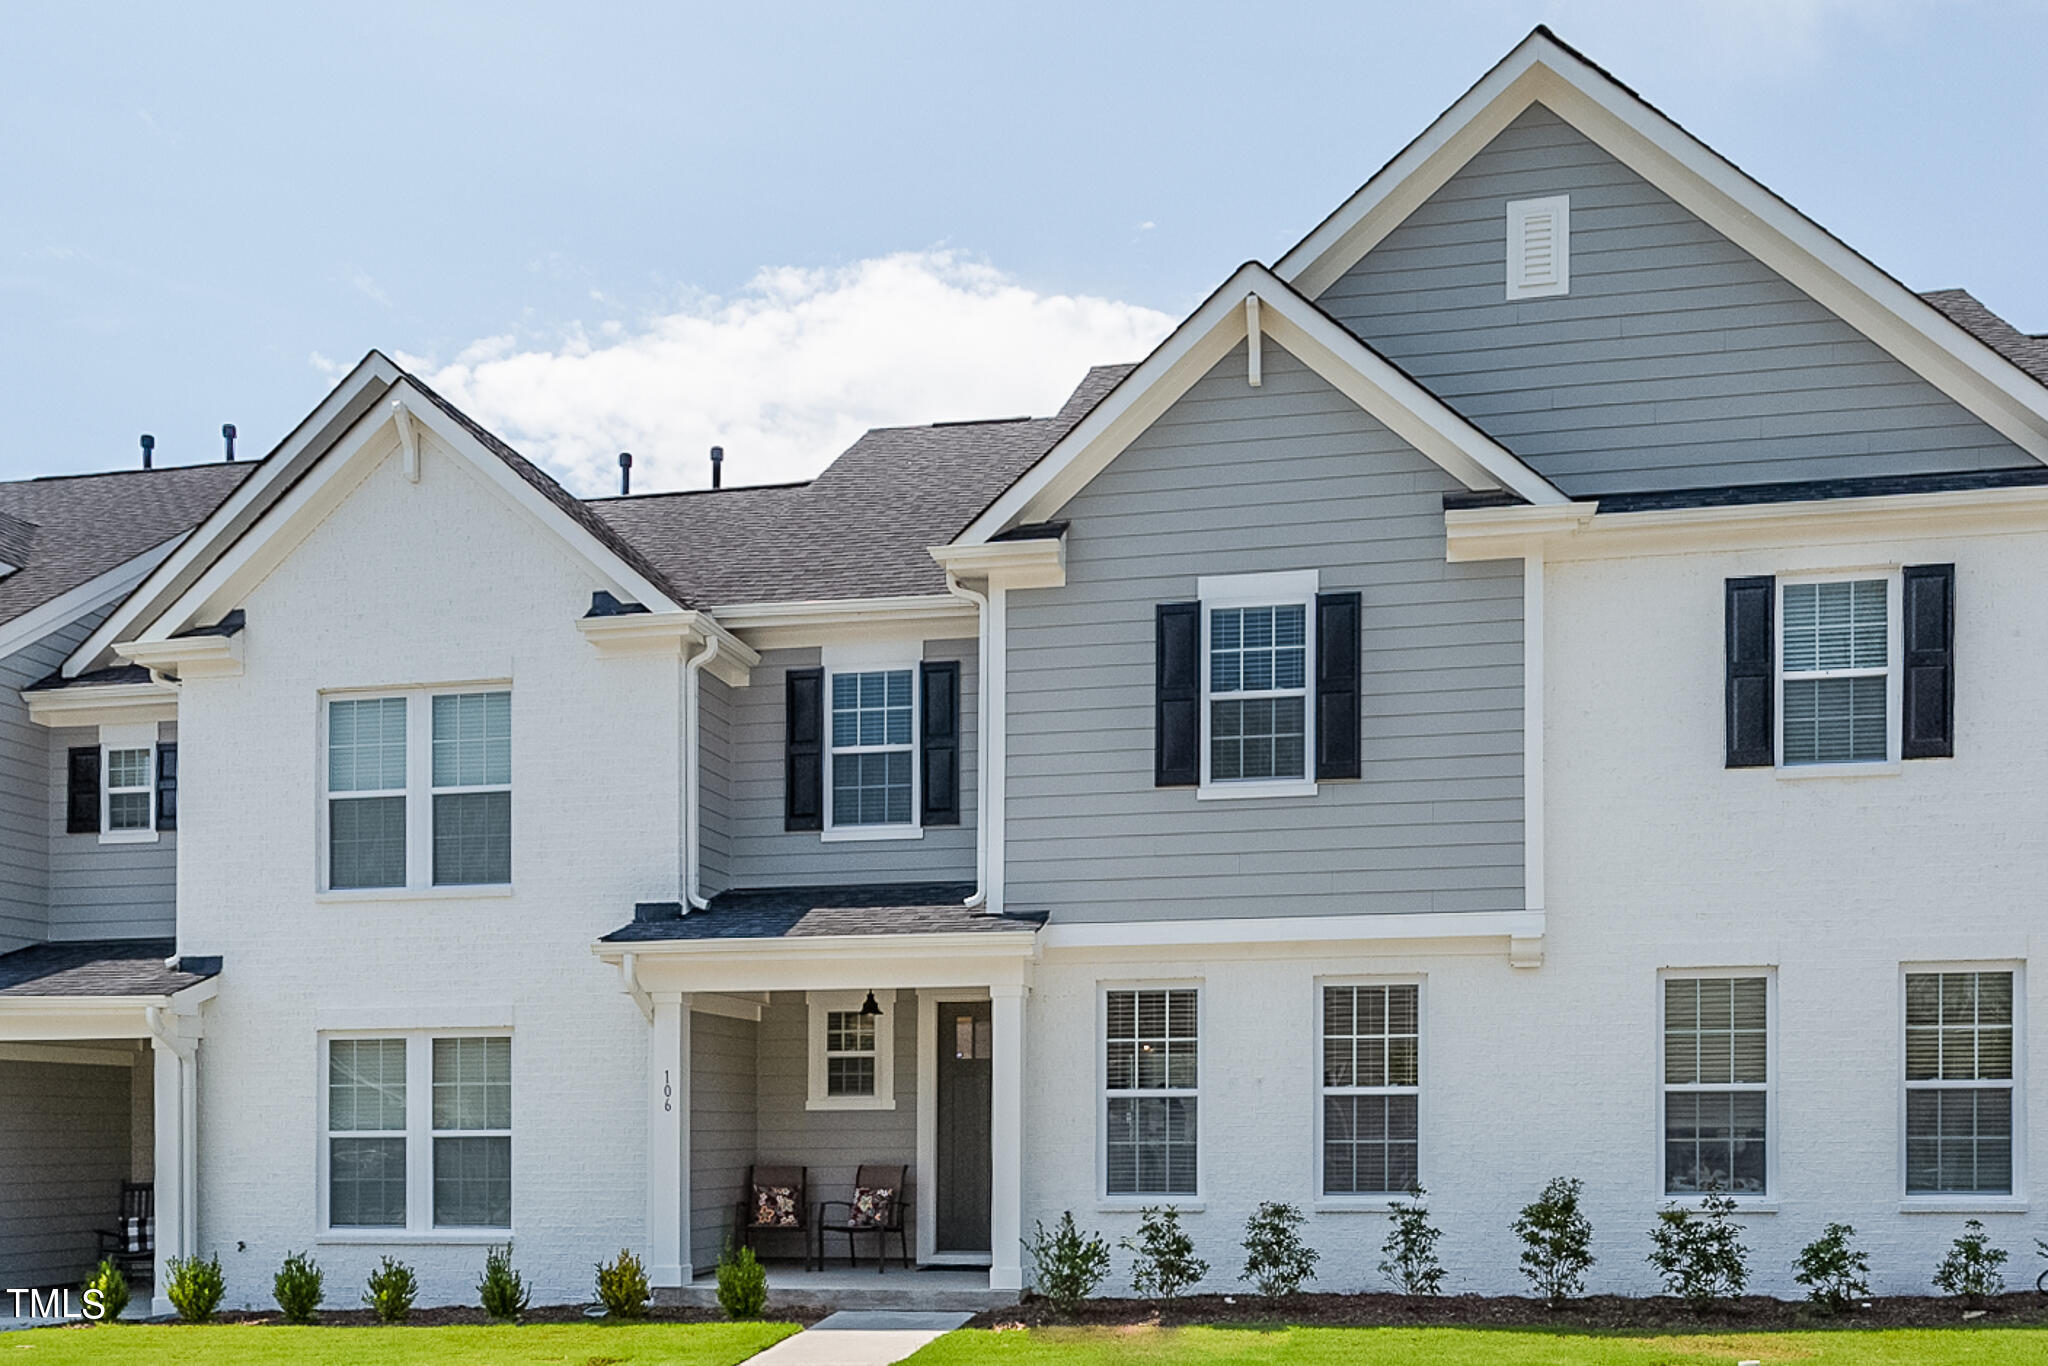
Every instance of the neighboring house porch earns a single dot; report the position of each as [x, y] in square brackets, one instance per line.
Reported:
[817, 1030]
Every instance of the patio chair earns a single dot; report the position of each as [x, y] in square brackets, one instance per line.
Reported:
[776, 1199]
[131, 1244]
[877, 1207]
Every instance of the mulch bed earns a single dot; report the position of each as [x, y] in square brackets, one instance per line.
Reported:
[1596, 1314]
[553, 1313]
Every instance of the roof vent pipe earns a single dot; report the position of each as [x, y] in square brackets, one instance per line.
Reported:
[717, 465]
[148, 451]
[625, 473]
[227, 434]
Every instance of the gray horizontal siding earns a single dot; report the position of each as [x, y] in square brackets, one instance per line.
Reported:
[64, 1151]
[758, 852]
[1677, 359]
[105, 891]
[722, 1068]
[715, 785]
[24, 789]
[1236, 480]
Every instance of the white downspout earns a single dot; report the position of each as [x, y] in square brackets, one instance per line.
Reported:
[958, 590]
[693, 780]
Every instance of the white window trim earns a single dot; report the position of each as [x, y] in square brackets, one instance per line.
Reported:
[1341, 1202]
[1283, 588]
[875, 657]
[419, 1135]
[1104, 1201]
[140, 735]
[822, 1003]
[1519, 212]
[1969, 1202]
[1767, 1202]
[1894, 670]
[418, 793]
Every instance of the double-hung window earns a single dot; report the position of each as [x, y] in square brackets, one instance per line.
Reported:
[873, 760]
[1717, 1084]
[1959, 1082]
[419, 1133]
[1837, 671]
[419, 790]
[1150, 1091]
[130, 789]
[1371, 1089]
[1257, 714]
[853, 1055]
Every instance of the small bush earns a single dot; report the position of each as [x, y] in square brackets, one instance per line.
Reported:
[622, 1286]
[742, 1283]
[297, 1288]
[501, 1290]
[1700, 1255]
[1557, 1241]
[391, 1291]
[1163, 1255]
[1067, 1264]
[1410, 1248]
[195, 1287]
[111, 1288]
[1970, 1269]
[1835, 1274]
[1276, 1260]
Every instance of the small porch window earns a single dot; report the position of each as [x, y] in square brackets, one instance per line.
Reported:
[853, 1054]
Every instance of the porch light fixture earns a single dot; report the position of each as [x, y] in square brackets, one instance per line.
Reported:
[871, 1007]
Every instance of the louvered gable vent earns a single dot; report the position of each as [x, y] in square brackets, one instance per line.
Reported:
[1539, 247]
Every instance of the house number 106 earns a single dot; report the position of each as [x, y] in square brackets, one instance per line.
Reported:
[666, 1091]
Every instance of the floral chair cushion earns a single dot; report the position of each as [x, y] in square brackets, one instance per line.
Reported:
[871, 1205]
[775, 1207]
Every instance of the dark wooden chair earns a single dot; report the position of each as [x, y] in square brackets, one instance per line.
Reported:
[747, 1217]
[131, 1243]
[882, 1223]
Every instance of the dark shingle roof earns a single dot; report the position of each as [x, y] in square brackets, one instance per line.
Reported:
[800, 912]
[107, 967]
[1817, 490]
[15, 536]
[862, 528]
[82, 526]
[2029, 353]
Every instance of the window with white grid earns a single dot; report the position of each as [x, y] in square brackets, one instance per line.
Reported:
[1835, 671]
[419, 790]
[1371, 1088]
[874, 728]
[1959, 1083]
[419, 1132]
[130, 789]
[1151, 1091]
[1716, 1084]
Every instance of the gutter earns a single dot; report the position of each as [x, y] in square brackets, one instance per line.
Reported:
[980, 601]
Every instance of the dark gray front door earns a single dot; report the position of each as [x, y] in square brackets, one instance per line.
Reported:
[964, 1089]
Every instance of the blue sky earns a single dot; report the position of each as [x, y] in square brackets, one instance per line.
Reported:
[662, 225]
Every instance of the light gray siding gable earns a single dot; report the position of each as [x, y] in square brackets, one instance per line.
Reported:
[1233, 480]
[1677, 360]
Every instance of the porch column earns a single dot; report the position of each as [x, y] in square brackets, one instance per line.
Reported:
[668, 1141]
[1006, 1139]
[176, 1174]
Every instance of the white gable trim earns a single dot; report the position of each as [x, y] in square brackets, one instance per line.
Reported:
[1542, 70]
[1211, 333]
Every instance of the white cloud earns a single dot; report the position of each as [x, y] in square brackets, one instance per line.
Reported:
[788, 371]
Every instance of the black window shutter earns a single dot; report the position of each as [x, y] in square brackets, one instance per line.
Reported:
[1752, 669]
[1177, 696]
[1929, 726]
[940, 751]
[82, 797]
[1338, 666]
[803, 779]
[167, 787]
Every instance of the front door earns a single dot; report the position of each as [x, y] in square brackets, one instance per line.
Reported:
[965, 1043]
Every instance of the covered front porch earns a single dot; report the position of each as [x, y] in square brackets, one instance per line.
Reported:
[809, 1044]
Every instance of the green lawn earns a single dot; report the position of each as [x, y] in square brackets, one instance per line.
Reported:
[556, 1344]
[1476, 1347]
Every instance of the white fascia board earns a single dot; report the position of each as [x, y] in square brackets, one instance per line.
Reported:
[673, 633]
[60, 611]
[1347, 364]
[114, 704]
[55, 1019]
[1843, 281]
[829, 962]
[826, 612]
[1037, 563]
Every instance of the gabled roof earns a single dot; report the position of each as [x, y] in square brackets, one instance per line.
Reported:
[2028, 351]
[1994, 386]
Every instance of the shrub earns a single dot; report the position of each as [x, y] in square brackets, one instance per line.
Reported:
[195, 1287]
[1067, 1264]
[111, 1289]
[391, 1291]
[1557, 1241]
[1835, 1274]
[622, 1286]
[742, 1283]
[1275, 1258]
[501, 1289]
[297, 1288]
[1410, 1248]
[1971, 1267]
[1700, 1256]
[1164, 1261]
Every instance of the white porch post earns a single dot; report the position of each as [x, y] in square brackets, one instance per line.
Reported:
[177, 1158]
[668, 1141]
[1006, 1139]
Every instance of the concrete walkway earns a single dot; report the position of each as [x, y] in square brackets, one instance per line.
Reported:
[860, 1338]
